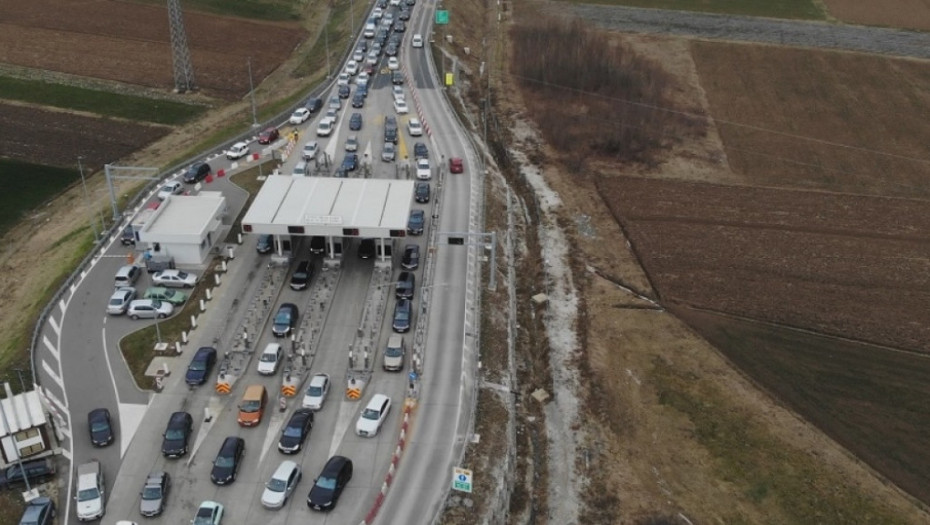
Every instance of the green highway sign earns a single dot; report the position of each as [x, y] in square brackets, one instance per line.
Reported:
[442, 17]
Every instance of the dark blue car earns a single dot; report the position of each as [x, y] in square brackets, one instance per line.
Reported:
[201, 365]
[416, 222]
[402, 314]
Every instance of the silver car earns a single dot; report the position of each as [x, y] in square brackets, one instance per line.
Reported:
[389, 152]
[281, 485]
[149, 309]
[120, 300]
[154, 494]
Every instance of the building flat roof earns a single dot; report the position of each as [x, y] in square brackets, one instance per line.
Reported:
[185, 213]
[330, 205]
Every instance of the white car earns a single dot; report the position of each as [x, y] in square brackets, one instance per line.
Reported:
[377, 13]
[371, 419]
[90, 492]
[209, 513]
[325, 127]
[119, 301]
[423, 170]
[170, 188]
[372, 58]
[174, 278]
[358, 55]
[389, 152]
[398, 92]
[332, 114]
[237, 151]
[352, 143]
[394, 3]
[299, 116]
[362, 78]
[316, 392]
[343, 79]
[281, 485]
[352, 67]
[415, 127]
[393, 63]
[149, 309]
[310, 149]
[417, 40]
[400, 106]
[269, 360]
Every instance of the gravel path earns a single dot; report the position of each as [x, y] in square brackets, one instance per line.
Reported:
[768, 30]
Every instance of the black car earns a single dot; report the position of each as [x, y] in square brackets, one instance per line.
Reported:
[411, 2]
[344, 91]
[101, 430]
[416, 222]
[391, 50]
[265, 244]
[358, 101]
[362, 90]
[397, 78]
[390, 129]
[197, 172]
[355, 121]
[317, 244]
[420, 151]
[36, 471]
[128, 237]
[226, 464]
[341, 173]
[400, 26]
[302, 275]
[285, 320]
[366, 248]
[329, 485]
[201, 365]
[405, 286]
[381, 36]
[410, 260]
[314, 104]
[362, 46]
[421, 192]
[177, 433]
[296, 431]
[404, 14]
[402, 313]
[350, 162]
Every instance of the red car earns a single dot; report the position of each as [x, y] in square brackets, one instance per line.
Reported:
[268, 136]
[455, 165]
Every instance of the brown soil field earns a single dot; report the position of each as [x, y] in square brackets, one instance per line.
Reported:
[819, 120]
[116, 40]
[56, 138]
[907, 14]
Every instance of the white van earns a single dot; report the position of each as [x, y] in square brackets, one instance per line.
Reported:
[394, 353]
[91, 501]
[325, 128]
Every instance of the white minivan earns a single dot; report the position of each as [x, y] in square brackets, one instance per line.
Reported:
[91, 496]
[394, 353]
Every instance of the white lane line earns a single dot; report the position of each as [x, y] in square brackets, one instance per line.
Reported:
[54, 323]
[55, 401]
[48, 370]
[64, 305]
[347, 410]
[274, 429]
[130, 417]
[50, 347]
[66, 453]
[106, 355]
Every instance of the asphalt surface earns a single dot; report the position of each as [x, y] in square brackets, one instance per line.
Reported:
[81, 368]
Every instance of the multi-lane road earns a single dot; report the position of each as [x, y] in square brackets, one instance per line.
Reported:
[80, 366]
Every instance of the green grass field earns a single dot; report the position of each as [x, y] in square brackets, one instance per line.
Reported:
[24, 186]
[254, 9]
[99, 102]
[795, 9]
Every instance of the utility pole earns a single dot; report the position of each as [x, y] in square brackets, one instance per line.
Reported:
[180, 53]
[252, 96]
[90, 213]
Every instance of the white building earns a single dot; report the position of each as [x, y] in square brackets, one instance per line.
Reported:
[24, 429]
[185, 227]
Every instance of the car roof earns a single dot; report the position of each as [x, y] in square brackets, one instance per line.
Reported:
[178, 417]
[319, 379]
[230, 442]
[203, 351]
[334, 465]
[377, 400]
[284, 468]
[155, 478]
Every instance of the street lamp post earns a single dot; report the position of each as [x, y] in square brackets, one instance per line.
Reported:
[252, 95]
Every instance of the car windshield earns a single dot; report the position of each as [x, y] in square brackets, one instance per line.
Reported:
[292, 432]
[204, 516]
[326, 483]
[174, 434]
[371, 413]
[151, 492]
[99, 426]
[282, 318]
[156, 304]
[116, 301]
[401, 315]
[250, 406]
[88, 494]
[393, 352]
[300, 275]
[167, 294]
[225, 462]
[168, 188]
[182, 275]
[198, 366]
[269, 358]
[315, 391]
[276, 485]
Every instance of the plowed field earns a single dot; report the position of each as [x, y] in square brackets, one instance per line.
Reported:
[131, 43]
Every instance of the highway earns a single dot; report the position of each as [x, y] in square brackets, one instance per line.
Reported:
[80, 367]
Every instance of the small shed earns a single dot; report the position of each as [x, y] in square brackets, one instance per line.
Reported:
[24, 426]
[185, 227]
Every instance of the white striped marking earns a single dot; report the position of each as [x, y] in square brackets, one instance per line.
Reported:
[50, 347]
[53, 375]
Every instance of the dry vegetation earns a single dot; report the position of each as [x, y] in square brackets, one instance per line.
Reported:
[907, 14]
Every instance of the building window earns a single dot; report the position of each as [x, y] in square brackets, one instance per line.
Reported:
[29, 442]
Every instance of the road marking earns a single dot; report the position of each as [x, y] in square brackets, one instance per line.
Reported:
[54, 323]
[48, 370]
[274, 427]
[54, 400]
[67, 453]
[51, 347]
[347, 411]
[130, 417]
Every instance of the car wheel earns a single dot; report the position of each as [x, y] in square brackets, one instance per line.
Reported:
[161, 316]
[134, 317]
